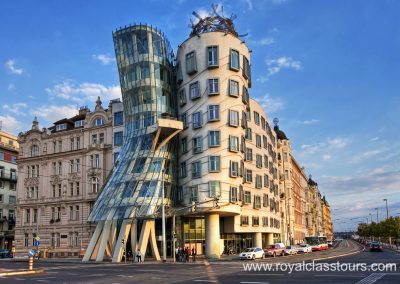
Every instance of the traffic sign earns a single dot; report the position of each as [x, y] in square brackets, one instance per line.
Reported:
[31, 252]
[37, 243]
[37, 238]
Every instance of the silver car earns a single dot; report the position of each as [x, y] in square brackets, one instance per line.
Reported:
[252, 253]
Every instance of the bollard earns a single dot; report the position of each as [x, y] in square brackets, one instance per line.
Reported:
[31, 263]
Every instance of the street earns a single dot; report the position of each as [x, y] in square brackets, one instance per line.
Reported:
[215, 272]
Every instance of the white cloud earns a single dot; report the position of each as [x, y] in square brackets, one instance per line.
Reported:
[11, 87]
[276, 65]
[374, 139]
[337, 143]
[326, 157]
[329, 144]
[311, 121]
[270, 105]
[83, 92]
[105, 59]
[10, 124]
[11, 67]
[278, 1]
[249, 4]
[17, 108]
[366, 155]
[52, 113]
[263, 41]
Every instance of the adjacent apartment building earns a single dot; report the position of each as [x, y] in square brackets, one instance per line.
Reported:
[62, 169]
[8, 188]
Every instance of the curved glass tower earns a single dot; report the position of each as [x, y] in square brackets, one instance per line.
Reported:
[146, 161]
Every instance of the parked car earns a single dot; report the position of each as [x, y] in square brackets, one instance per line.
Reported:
[252, 253]
[375, 246]
[368, 243]
[291, 250]
[275, 249]
[330, 243]
[6, 253]
[304, 248]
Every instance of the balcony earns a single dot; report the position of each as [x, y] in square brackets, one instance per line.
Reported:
[8, 176]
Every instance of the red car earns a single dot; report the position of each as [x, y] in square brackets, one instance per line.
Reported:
[275, 249]
[375, 246]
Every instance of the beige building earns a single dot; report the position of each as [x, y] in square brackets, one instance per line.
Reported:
[327, 221]
[227, 159]
[62, 169]
[8, 186]
[315, 209]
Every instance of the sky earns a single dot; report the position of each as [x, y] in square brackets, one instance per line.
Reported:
[329, 70]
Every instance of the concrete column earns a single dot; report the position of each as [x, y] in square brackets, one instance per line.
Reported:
[257, 240]
[213, 249]
[93, 242]
[270, 238]
[103, 240]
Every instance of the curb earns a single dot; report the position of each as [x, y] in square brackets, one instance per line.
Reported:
[22, 272]
[341, 255]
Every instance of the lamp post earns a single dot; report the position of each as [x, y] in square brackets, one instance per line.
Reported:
[377, 219]
[164, 242]
[387, 209]
[370, 217]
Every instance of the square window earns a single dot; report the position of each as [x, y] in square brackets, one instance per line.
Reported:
[214, 188]
[197, 145]
[194, 90]
[194, 197]
[233, 196]
[246, 68]
[233, 88]
[118, 118]
[247, 197]
[118, 138]
[258, 141]
[213, 86]
[191, 65]
[183, 170]
[234, 169]
[233, 143]
[184, 145]
[249, 176]
[256, 118]
[196, 169]
[212, 56]
[197, 120]
[182, 97]
[234, 60]
[233, 118]
[214, 138]
[245, 95]
[214, 164]
[249, 154]
[213, 112]
[184, 120]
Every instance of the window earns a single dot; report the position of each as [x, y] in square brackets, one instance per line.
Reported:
[255, 221]
[115, 157]
[259, 161]
[256, 118]
[263, 122]
[79, 123]
[245, 95]
[233, 143]
[196, 169]
[139, 165]
[258, 181]
[265, 200]
[246, 68]
[27, 215]
[184, 120]
[155, 165]
[77, 188]
[244, 220]
[194, 90]
[183, 170]
[60, 127]
[213, 86]
[197, 145]
[234, 169]
[95, 184]
[101, 138]
[286, 174]
[193, 194]
[258, 141]
[234, 62]
[73, 239]
[265, 221]
[285, 157]
[35, 216]
[184, 146]
[118, 138]
[191, 65]
[182, 97]
[249, 154]
[78, 143]
[197, 120]
[212, 56]
[233, 194]
[233, 118]
[233, 88]
[266, 161]
[214, 188]
[247, 197]
[249, 175]
[34, 151]
[118, 118]
[26, 240]
[265, 142]
[213, 112]
[94, 138]
[214, 138]
[248, 134]
[98, 121]
[214, 164]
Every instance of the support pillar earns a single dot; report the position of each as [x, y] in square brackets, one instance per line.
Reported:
[148, 233]
[123, 234]
[93, 241]
[257, 240]
[213, 249]
[270, 238]
[134, 238]
[103, 241]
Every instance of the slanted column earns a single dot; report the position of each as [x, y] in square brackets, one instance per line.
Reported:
[257, 240]
[213, 249]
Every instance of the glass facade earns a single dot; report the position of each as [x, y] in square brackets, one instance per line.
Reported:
[144, 59]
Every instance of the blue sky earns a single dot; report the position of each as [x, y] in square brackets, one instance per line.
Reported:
[329, 70]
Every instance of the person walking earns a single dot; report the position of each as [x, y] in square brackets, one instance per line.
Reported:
[193, 255]
[187, 254]
[139, 256]
[177, 254]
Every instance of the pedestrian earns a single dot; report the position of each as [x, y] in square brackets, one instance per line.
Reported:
[139, 256]
[193, 255]
[187, 254]
[177, 254]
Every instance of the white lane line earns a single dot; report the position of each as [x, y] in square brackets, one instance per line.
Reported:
[254, 282]
[42, 280]
[208, 281]
[372, 278]
[149, 270]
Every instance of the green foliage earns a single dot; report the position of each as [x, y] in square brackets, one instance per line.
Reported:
[387, 228]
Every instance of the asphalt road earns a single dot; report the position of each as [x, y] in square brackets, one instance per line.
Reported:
[223, 271]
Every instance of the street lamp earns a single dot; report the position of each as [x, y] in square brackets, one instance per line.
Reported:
[370, 217]
[377, 215]
[387, 210]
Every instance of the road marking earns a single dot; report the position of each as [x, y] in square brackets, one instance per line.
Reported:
[42, 280]
[372, 278]
[210, 281]
[254, 282]
[149, 270]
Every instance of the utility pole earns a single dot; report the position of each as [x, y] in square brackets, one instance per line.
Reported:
[164, 242]
[387, 209]
[377, 219]
[173, 237]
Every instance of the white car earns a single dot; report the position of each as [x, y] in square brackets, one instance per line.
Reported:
[304, 248]
[291, 250]
[252, 253]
